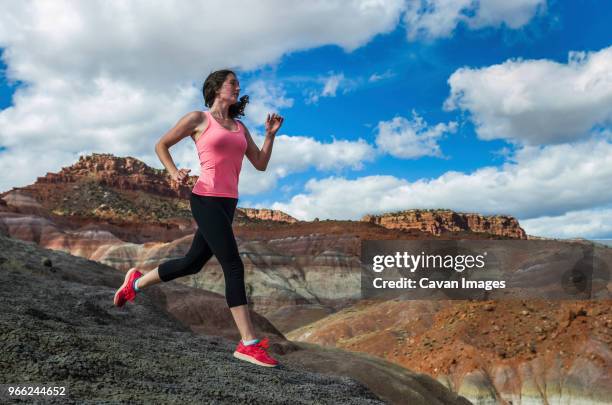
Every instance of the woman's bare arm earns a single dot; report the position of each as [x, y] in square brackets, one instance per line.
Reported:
[260, 158]
[185, 127]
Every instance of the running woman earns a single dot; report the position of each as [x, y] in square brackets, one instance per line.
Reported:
[221, 141]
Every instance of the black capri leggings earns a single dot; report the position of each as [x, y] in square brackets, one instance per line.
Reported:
[214, 216]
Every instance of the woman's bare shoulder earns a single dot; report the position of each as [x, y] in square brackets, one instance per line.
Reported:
[195, 117]
[200, 123]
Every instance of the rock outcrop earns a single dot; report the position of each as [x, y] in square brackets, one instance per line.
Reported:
[268, 215]
[437, 222]
[122, 173]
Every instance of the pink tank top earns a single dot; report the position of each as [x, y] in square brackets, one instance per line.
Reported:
[221, 152]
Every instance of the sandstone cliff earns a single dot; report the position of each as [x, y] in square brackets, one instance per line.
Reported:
[123, 173]
[268, 215]
[438, 221]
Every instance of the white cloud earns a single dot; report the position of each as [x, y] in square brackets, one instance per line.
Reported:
[438, 18]
[540, 181]
[375, 77]
[330, 86]
[22, 163]
[114, 76]
[411, 139]
[293, 154]
[266, 98]
[102, 114]
[174, 40]
[589, 223]
[537, 101]
[513, 14]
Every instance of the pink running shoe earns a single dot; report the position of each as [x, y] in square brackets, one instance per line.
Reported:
[126, 291]
[255, 354]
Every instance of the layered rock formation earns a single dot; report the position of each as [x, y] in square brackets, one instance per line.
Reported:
[310, 269]
[123, 173]
[490, 352]
[313, 273]
[268, 215]
[295, 273]
[437, 222]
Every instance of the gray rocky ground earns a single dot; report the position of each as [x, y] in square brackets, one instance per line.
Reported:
[58, 326]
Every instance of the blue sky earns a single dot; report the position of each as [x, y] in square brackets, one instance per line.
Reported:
[485, 53]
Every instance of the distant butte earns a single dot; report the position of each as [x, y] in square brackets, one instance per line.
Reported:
[438, 221]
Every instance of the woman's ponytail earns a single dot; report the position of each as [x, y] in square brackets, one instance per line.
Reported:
[237, 110]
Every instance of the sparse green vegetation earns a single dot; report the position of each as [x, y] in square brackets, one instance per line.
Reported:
[91, 199]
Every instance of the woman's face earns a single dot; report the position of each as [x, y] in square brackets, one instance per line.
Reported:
[230, 89]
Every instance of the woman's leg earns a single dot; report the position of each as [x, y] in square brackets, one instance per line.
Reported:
[148, 279]
[197, 256]
[243, 322]
[214, 216]
[193, 261]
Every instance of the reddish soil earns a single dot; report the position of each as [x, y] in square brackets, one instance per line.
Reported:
[454, 337]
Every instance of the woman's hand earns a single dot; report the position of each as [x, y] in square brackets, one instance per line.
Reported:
[180, 176]
[273, 123]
